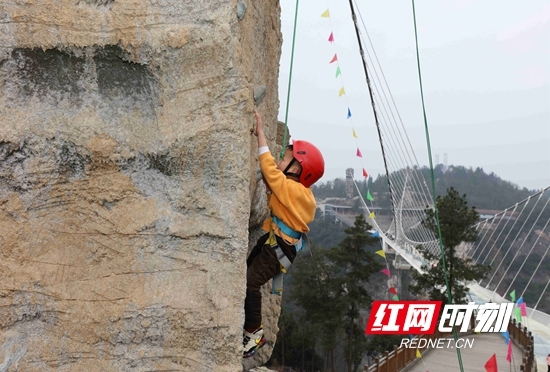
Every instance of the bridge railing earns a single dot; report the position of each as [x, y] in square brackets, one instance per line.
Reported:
[401, 357]
[525, 339]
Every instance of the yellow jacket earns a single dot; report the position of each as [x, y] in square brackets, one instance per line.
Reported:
[290, 201]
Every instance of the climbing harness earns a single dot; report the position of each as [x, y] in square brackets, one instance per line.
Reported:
[284, 262]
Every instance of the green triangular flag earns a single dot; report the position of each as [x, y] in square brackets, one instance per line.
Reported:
[395, 298]
[369, 197]
[513, 295]
[338, 72]
[518, 314]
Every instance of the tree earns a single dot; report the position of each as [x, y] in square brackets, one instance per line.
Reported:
[356, 265]
[316, 290]
[456, 221]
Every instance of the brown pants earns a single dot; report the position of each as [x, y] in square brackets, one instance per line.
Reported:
[262, 265]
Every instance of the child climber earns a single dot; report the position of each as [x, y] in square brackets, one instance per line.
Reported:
[292, 207]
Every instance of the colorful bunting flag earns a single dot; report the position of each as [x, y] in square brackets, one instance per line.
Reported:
[331, 38]
[353, 132]
[418, 355]
[365, 174]
[513, 295]
[334, 59]
[381, 253]
[491, 365]
[520, 301]
[369, 197]
[326, 14]
[411, 336]
[395, 298]
[338, 72]
[349, 113]
[372, 215]
[359, 153]
[517, 311]
[506, 336]
[509, 355]
[523, 308]
[341, 92]
[393, 290]
[386, 271]
[375, 234]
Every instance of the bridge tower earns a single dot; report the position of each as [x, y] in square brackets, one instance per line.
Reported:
[349, 183]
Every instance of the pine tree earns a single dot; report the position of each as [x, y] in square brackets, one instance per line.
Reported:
[356, 265]
[315, 289]
[456, 220]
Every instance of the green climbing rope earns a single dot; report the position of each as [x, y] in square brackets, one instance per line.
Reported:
[449, 296]
[290, 78]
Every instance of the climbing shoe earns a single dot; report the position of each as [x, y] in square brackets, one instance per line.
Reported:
[252, 341]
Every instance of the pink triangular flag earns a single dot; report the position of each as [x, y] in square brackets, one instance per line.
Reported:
[386, 271]
[523, 308]
[334, 59]
[509, 355]
[359, 153]
[331, 37]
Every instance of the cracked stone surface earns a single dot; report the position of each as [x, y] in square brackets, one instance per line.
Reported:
[128, 195]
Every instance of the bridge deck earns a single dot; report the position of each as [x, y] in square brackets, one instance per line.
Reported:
[473, 359]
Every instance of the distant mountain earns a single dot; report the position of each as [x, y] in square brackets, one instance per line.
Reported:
[484, 191]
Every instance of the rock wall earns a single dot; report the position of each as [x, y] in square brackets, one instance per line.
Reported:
[127, 181]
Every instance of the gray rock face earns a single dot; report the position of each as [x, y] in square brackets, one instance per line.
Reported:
[128, 196]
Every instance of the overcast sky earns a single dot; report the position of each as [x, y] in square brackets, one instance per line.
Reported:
[486, 77]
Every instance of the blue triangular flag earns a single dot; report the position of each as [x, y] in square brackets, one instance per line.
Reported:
[349, 113]
[410, 336]
[506, 336]
[520, 301]
[375, 234]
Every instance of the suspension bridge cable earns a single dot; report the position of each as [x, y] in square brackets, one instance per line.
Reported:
[484, 229]
[521, 202]
[499, 234]
[506, 239]
[542, 293]
[449, 295]
[394, 137]
[402, 168]
[536, 269]
[395, 134]
[471, 245]
[489, 239]
[354, 18]
[389, 91]
[421, 180]
[510, 230]
[518, 234]
[532, 247]
[483, 239]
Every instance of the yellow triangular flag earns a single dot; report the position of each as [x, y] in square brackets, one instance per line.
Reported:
[418, 354]
[354, 134]
[342, 92]
[381, 253]
[326, 14]
[372, 215]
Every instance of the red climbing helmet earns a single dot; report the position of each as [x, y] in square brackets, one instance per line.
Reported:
[311, 160]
